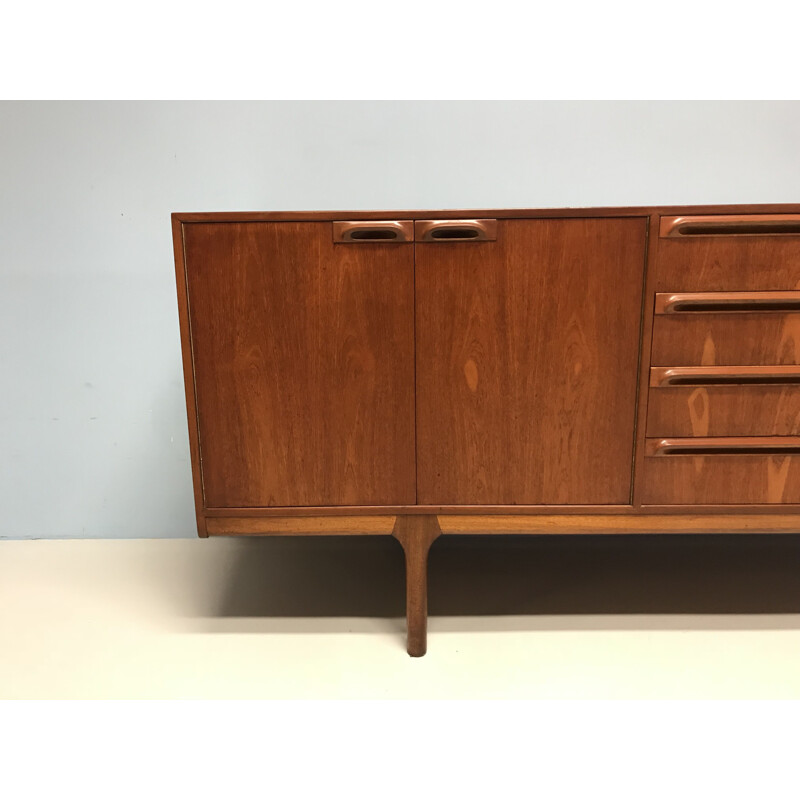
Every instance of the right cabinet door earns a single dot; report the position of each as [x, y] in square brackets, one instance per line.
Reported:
[527, 351]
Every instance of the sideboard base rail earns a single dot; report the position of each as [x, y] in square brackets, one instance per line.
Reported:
[376, 525]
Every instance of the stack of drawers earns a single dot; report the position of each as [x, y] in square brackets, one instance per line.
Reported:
[723, 414]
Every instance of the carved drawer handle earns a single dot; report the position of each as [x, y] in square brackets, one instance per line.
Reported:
[725, 446]
[455, 230]
[730, 225]
[664, 377]
[725, 302]
[374, 231]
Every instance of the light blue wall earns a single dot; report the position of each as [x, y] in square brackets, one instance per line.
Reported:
[93, 435]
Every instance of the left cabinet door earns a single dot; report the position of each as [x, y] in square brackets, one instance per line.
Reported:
[303, 358]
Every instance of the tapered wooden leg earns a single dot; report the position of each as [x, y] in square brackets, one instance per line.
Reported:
[417, 532]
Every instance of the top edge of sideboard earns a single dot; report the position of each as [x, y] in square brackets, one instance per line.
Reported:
[505, 213]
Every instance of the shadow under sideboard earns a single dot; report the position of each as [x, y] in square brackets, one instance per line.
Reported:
[530, 577]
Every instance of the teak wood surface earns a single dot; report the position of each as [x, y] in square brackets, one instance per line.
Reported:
[416, 535]
[728, 264]
[710, 479]
[422, 388]
[527, 352]
[726, 339]
[481, 523]
[724, 411]
[304, 365]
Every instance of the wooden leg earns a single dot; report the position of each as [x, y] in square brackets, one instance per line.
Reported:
[416, 533]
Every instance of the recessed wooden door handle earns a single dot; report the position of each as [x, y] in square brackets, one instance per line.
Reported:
[375, 231]
[730, 225]
[455, 230]
[725, 446]
[721, 302]
[663, 377]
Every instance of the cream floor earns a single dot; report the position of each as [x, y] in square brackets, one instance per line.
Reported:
[512, 617]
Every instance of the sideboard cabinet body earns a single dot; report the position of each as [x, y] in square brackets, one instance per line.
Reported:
[418, 373]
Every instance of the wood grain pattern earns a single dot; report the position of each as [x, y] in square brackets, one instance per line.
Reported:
[527, 353]
[768, 519]
[724, 411]
[357, 525]
[699, 480]
[304, 365]
[728, 264]
[726, 339]
[416, 534]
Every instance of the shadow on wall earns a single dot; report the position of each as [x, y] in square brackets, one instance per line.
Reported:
[524, 576]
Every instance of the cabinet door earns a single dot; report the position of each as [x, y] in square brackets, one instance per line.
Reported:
[527, 351]
[303, 357]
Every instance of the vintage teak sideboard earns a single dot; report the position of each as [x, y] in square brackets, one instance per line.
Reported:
[617, 370]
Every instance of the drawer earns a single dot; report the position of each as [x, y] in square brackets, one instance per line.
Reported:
[724, 252]
[722, 471]
[770, 410]
[685, 339]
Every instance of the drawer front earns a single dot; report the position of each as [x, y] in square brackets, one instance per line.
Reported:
[724, 411]
[727, 253]
[726, 339]
[724, 471]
